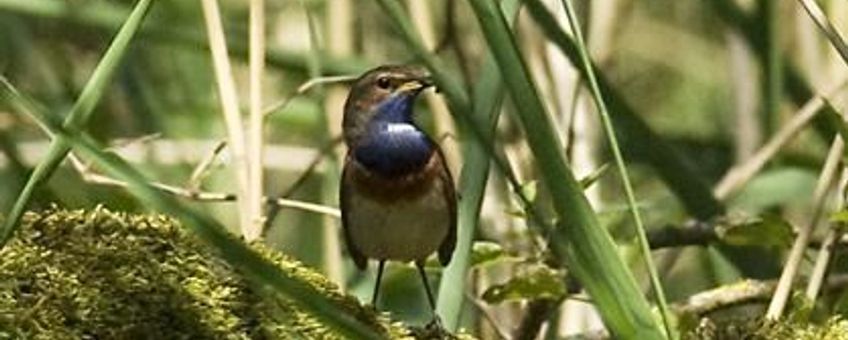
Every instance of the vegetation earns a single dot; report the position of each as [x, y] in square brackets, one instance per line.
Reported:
[645, 170]
[77, 274]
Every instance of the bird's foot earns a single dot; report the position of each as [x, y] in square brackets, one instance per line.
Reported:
[433, 330]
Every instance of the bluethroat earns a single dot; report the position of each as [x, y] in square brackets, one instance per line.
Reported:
[397, 195]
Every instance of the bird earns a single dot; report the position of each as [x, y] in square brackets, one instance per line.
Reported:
[397, 195]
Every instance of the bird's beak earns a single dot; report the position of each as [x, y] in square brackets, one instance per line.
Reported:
[415, 85]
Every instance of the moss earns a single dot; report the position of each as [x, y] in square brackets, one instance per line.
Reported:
[834, 328]
[107, 275]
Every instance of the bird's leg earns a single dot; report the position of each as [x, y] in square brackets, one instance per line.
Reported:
[377, 284]
[420, 266]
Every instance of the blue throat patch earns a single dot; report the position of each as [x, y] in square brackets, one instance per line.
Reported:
[392, 145]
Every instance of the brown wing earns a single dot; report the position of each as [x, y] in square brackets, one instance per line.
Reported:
[360, 260]
[449, 243]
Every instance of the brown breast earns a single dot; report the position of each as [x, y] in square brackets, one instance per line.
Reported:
[389, 190]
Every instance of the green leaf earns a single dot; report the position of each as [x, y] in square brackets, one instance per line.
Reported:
[485, 253]
[774, 187]
[530, 190]
[768, 230]
[540, 282]
[839, 216]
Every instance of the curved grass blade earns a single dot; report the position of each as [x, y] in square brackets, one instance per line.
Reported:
[669, 164]
[578, 239]
[78, 116]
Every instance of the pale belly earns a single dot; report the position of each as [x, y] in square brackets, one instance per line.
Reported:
[404, 230]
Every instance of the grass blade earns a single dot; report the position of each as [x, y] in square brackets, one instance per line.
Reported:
[670, 165]
[472, 184]
[579, 239]
[78, 116]
[586, 65]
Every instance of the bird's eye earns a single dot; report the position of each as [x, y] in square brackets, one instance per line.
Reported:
[383, 83]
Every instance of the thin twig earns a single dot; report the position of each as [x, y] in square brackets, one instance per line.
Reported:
[274, 210]
[487, 315]
[325, 151]
[91, 177]
[736, 177]
[306, 86]
[196, 178]
[202, 169]
[702, 234]
[122, 143]
[787, 277]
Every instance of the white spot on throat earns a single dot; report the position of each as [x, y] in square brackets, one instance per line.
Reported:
[400, 127]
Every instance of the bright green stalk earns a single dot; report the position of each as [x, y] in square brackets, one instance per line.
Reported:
[472, 184]
[578, 239]
[645, 248]
[78, 116]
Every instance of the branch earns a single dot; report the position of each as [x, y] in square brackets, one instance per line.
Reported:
[744, 292]
[91, 177]
[696, 233]
[693, 233]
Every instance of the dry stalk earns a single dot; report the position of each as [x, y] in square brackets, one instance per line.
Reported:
[255, 131]
[796, 255]
[826, 252]
[230, 106]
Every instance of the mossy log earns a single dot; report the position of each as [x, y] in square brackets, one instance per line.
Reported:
[106, 275]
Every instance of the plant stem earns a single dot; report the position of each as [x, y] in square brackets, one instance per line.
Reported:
[787, 277]
[622, 168]
[230, 106]
[255, 130]
[826, 252]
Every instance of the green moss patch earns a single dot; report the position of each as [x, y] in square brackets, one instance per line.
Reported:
[106, 275]
[834, 328]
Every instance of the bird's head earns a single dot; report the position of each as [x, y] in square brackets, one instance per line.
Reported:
[384, 93]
